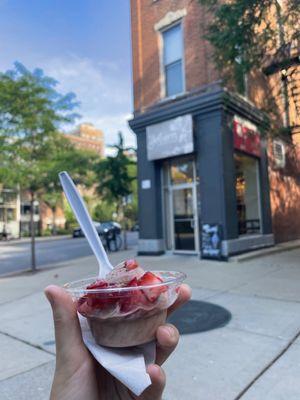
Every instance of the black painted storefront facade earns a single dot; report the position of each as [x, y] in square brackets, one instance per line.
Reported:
[212, 114]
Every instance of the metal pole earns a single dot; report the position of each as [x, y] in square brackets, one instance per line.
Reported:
[32, 233]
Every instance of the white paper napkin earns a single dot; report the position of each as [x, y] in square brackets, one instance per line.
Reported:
[128, 364]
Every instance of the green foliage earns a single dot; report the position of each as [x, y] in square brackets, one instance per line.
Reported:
[116, 175]
[71, 221]
[47, 232]
[104, 211]
[30, 112]
[32, 150]
[242, 32]
[131, 214]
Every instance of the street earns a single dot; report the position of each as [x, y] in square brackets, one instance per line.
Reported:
[16, 256]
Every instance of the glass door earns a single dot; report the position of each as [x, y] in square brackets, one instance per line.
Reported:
[184, 235]
[180, 205]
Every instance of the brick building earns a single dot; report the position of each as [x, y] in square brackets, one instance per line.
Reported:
[209, 182]
[87, 137]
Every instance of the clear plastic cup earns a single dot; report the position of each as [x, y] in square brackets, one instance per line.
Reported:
[126, 316]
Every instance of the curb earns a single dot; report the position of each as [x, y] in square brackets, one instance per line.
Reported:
[37, 239]
[279, 248]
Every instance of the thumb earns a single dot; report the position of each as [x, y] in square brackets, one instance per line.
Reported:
[66, 324]
[158, 379]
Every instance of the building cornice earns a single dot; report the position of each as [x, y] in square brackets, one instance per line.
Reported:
[215, 99]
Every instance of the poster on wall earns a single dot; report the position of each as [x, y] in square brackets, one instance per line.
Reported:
[211, 241]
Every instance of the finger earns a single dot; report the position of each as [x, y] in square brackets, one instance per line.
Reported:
[66, 324]
[158, 379]
[184, 296]
[167, 339]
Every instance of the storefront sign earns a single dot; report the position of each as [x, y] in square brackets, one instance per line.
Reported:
[211, 241]
[170, 138]
[246, 137]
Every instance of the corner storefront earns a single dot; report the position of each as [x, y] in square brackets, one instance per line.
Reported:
[202, 176]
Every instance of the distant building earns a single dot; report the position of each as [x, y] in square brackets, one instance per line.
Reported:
[10, 212]
[87, 137]
[25, 228]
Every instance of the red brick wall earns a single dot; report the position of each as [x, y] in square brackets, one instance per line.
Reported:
[285, 195]
[199, 68]
[284, 183]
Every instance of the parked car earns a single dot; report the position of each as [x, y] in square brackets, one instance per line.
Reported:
[108, 231]
[111, 226]
[77, 232]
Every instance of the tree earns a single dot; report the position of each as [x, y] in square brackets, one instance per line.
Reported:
[116, 177]
[78, 162]
[103, 211]
[31, 111]
[245, 34]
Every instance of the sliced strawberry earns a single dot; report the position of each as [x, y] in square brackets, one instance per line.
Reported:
[151, 279]
[133, 282]
[133, 298]
[131, 264]
[96, 301]
[98, 284]
[83, 307]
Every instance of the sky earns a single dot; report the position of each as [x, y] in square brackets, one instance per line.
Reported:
[84, 45]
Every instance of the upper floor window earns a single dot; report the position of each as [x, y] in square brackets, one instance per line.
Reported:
[173, 60]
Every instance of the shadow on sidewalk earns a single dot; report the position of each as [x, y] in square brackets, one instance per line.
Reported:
[199, 316]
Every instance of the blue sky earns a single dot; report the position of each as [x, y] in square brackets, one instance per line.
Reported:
[84, 44]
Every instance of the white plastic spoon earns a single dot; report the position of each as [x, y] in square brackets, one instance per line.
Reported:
[85, 222]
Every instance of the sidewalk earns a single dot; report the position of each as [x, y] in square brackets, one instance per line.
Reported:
[252, 356]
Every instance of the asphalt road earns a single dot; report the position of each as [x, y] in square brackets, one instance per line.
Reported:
[16, 256]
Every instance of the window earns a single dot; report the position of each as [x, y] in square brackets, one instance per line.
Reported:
[247, 194]
[172, 60]
[279, 154]
[25, 208]
[182, 171]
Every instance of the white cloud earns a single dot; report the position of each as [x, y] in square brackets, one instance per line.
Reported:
[102, 89]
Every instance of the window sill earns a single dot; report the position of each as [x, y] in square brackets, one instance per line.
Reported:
[174, 97]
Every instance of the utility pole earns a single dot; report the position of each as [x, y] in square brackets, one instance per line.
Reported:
[32, 233]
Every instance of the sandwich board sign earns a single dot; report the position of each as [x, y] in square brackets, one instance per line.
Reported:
[211, 241]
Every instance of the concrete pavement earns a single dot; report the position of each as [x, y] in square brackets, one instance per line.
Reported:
[255, 355]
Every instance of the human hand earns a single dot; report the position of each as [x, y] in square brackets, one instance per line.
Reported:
[78, 376]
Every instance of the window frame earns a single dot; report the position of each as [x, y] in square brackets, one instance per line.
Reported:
[163, 76]
[258, 188]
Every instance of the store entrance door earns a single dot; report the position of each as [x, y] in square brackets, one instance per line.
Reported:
[180, 205]
[184, 224]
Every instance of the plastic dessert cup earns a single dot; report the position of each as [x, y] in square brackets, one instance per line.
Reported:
[126, 316]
